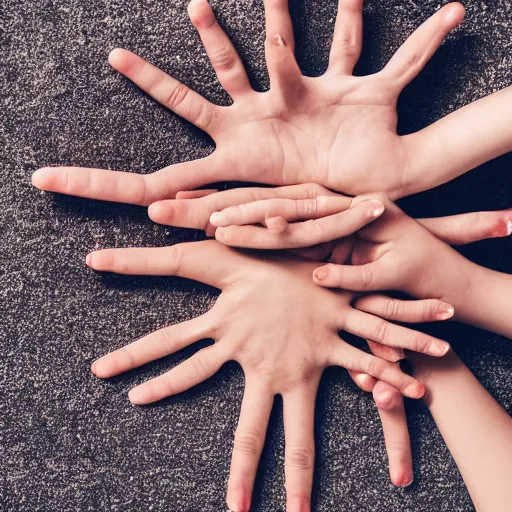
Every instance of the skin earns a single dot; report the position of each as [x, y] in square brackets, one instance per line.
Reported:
[476, 429]
[286, 354]
[337, 130]
[300, 204]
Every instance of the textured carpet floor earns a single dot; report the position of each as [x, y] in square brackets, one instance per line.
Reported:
[74, 443]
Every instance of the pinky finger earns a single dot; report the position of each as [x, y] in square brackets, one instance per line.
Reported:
[409, 311]
[198, 368]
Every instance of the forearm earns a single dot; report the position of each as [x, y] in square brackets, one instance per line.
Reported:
[460, 142]
[476, 429]
[487, 301]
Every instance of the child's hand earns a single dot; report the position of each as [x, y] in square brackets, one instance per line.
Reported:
[338, 130]
[280, 327]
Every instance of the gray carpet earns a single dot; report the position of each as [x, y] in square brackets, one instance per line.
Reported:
[71, 442]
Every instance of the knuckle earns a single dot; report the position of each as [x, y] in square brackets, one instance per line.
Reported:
[313, 230]
[366, 276]
[176, 255]
[375, 367]
[430, 308]
[306, 208]
[346, 45]
[198, 365]
[222, 58]
[392, 309]
[381, 330]
[313, 190]
[386, 397]
[300, 458]
[247, 443]
[177, 95]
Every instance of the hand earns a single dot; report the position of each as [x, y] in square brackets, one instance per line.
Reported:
[280, 327]
[337, 130]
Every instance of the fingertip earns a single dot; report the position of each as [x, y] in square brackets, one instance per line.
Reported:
[216, 219]
[415, 390]
[43, 178]
[454, 13]
[320, 274]
[238, 502]
[100, 369]
[88, 260]
[222, 235]
[201, 14]
[137, 395]
[276, 224]
[402, 478]
[93, 368]
[160, 212]
[298, 504]
[117, 58]
[445, 312]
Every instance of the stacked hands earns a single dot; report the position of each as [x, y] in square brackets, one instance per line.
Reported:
[310, 137]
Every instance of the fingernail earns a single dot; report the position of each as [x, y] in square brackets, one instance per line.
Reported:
[442, 348]
[137, 395]
[155, 212]
[320, 273]
[221, 235]
[88, 260]
[404, 480]
[216, 219]
[93, 367]
[416, 390]
[378, 210]
[509, 227]
[446, 313]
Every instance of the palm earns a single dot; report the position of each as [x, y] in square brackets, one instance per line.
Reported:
[328, 139]
[337, 130]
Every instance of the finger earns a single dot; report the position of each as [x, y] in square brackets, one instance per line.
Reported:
[292, 210]
[391, 409]
[221, 52]
[317, 253]
[195, 194]
[201, 366]
[304, 234]
[351, 358]
[299, 419]
[470, 227]
[419, 48]
[126, 187]
[363, 381]
[410, 311]
[154, 346]
[386, 352]
[283, 70]
[195, 213]
[386, 333]
[369, 277]
[163, 88]
[348, 37]
[207, 262]
[249, 440]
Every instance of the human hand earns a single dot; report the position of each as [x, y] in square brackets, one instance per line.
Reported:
[280, 327]
[338, 130]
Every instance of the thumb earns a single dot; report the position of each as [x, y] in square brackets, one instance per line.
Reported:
[370, 277]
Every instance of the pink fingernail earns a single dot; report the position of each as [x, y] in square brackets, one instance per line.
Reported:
[446, 313]
[93, 368]
[216, 219]
[320, 273]
[88, 260]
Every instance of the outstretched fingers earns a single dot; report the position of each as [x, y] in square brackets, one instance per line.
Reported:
[208, 262]
[198, 368]
[419, 48]
[154, 346]
[127, 187]
[351, 358]
[386, 333]
[390, 405]
[248, 445]
[221, 52]
[299, 420]
[410, 311]
[303, 234]
[470, 227]
[165, 89]
[348, 37]
[283, 70]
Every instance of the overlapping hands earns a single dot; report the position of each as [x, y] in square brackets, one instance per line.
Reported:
[275, 316]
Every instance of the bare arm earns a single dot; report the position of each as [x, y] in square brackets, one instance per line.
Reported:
[460, 142]
[476, 429]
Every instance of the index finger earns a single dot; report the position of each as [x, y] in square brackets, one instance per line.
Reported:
[208, 262]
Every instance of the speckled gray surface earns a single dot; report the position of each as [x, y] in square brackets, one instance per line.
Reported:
[73, 443]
